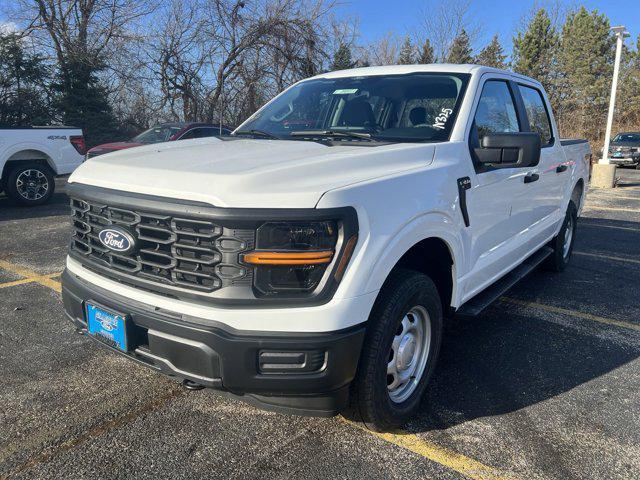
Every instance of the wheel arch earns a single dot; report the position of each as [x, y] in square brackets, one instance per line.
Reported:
[439, 255]
[27, 155]
[577, 194]
[433, 257]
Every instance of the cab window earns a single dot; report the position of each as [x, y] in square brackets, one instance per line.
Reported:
[537, 114]
[496, 112]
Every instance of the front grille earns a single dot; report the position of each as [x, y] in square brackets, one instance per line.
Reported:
[188, 253]
[623, 149]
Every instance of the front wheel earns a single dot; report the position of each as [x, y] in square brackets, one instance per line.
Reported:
[399, 354]
[562, 244]
[30, 184]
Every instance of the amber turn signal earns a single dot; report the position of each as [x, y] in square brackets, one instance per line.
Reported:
[346, 256]
[288, 258]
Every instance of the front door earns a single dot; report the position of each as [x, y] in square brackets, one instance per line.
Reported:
[497, 200]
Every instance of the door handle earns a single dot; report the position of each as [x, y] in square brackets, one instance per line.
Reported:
[561, 168]
[531, 177]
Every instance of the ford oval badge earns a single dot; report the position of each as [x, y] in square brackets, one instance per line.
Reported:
[117, 239]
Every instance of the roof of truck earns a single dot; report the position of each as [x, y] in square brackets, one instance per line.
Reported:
[405, 69]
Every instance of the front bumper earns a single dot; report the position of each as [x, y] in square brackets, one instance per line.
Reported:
[249, 365]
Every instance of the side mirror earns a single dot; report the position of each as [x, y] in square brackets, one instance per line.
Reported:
[519, 149]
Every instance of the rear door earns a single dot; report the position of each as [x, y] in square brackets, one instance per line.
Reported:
[553, 170]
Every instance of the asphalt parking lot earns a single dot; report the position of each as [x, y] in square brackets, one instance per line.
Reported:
[544, 384]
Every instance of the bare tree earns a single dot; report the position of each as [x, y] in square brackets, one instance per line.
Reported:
[82, 36]
[287, 33]
[178, 55]
[81, 30]
[442, 22]
[384, 51]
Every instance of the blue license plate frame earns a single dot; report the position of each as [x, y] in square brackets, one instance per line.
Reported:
[107, 326]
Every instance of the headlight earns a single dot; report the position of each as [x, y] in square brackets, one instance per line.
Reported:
[294, 258]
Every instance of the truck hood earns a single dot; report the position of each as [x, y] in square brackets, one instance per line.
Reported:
[248, 173]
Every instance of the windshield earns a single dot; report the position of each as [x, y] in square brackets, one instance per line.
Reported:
[159, 133]
[627, 137]
[412, 107]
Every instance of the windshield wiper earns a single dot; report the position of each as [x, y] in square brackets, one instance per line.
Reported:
[259, 133]
[330, 133]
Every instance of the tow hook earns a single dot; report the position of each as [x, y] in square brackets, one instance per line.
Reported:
[189, 385]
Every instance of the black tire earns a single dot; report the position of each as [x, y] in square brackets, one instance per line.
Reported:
[42, 177]
[638, 166]
[560, 257]
[370, 399]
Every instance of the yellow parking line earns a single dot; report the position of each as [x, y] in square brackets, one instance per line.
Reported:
[608, 257]
[16, 282]
[455, 461]
[572, 313]
[30, 276]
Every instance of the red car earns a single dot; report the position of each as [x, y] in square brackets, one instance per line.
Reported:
[165, 132]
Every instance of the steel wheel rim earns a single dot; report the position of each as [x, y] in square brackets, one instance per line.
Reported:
[32, 184]
[409, 354]
[568, 237]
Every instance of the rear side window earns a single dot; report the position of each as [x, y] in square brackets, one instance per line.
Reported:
[207, 132]
[190, 134]
[537, 113]
[496, 111]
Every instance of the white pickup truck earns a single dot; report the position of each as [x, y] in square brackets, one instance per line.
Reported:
[307, 262]
[30, 158]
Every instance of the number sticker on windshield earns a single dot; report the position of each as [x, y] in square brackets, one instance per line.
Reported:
[441, 119]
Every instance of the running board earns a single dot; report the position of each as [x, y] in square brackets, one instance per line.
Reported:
[482, 300]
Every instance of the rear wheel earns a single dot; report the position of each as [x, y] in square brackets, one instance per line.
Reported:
[562, 244]
[30, 184]
[400, 351]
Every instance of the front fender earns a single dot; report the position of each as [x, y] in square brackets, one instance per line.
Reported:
[429, 225]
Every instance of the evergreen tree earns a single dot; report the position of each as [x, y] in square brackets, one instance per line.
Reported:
[407, 53]
[82, 101]
[535, 55]
[426, 54]
[23, 79]
[342, 58]
[586, 57]
[534, 49]
[460, 51]
[492, 55]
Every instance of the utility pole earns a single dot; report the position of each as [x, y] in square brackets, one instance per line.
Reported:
[621, 33]
[604, 173]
